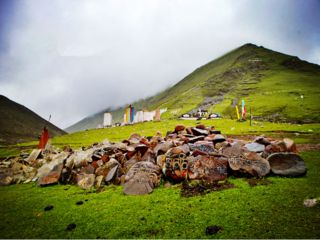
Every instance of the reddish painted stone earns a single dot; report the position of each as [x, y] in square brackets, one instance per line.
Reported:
[189, 130]
[179, 128]
[52, 177]
[201, 126]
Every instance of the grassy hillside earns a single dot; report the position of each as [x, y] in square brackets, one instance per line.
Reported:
[270, 82]
[19, 124]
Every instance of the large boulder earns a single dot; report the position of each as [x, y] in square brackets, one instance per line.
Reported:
[52, 177]
[162, 147]
[249, 163]
[233, 150]
[287, 164]
[86, 181]
[112, 173]
[105, 169]
[176, 164]
[142, 178]
[82, 158]
[139, 185]
[50, 173]
[208, 168]
[203, 146]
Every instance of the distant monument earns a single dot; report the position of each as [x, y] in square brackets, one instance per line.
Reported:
[107, 120]
[129, 115]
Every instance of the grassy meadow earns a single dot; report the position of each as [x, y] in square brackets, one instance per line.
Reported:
[264, 211]
[301, 133]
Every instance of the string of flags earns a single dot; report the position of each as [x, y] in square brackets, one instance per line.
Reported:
[243, 110]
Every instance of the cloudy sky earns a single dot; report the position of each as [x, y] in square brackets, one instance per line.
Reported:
[72, 58]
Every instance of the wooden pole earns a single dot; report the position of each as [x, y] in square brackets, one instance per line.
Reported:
[250, 117]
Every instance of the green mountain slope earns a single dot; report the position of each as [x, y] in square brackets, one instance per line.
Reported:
[19, 124]
[276, 87]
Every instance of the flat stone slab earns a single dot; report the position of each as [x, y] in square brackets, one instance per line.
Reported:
[203, 146]
[255, 147]
[52, 177]
[218, 138]
[287, 164]
[250, 162]
[142, 178]
[210, 169]
[33, 155]
[199, 132]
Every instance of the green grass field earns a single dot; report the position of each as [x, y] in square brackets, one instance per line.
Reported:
[303, 133]
[268, 211]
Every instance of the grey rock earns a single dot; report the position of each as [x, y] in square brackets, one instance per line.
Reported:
[46, 168]
[262, 140]
[218, 138]
[287, 164]
[140, 185]
[232, 151]
[33, 155]
[200, 132]
[98, 181]
[196, 139]
[203, 146]
[162, 147]
[255, 147]
[142, 178]
[82, 158]
[208, 168]
[52, 177]
[251, 163]
[86, 181]
[112, 173]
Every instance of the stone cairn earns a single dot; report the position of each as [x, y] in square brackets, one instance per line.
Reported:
[186, 154]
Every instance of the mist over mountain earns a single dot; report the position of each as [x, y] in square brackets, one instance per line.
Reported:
[276, 86]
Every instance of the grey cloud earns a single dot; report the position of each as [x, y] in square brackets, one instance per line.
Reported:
[74, 58]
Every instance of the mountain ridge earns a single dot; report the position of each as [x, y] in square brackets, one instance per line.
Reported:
[250, 72]
[20, 124]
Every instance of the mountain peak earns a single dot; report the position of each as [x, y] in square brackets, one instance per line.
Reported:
[248, 45]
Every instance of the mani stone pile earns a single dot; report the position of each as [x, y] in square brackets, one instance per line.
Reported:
[138, 163]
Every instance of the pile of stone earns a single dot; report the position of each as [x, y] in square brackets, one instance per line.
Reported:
[139, 163]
